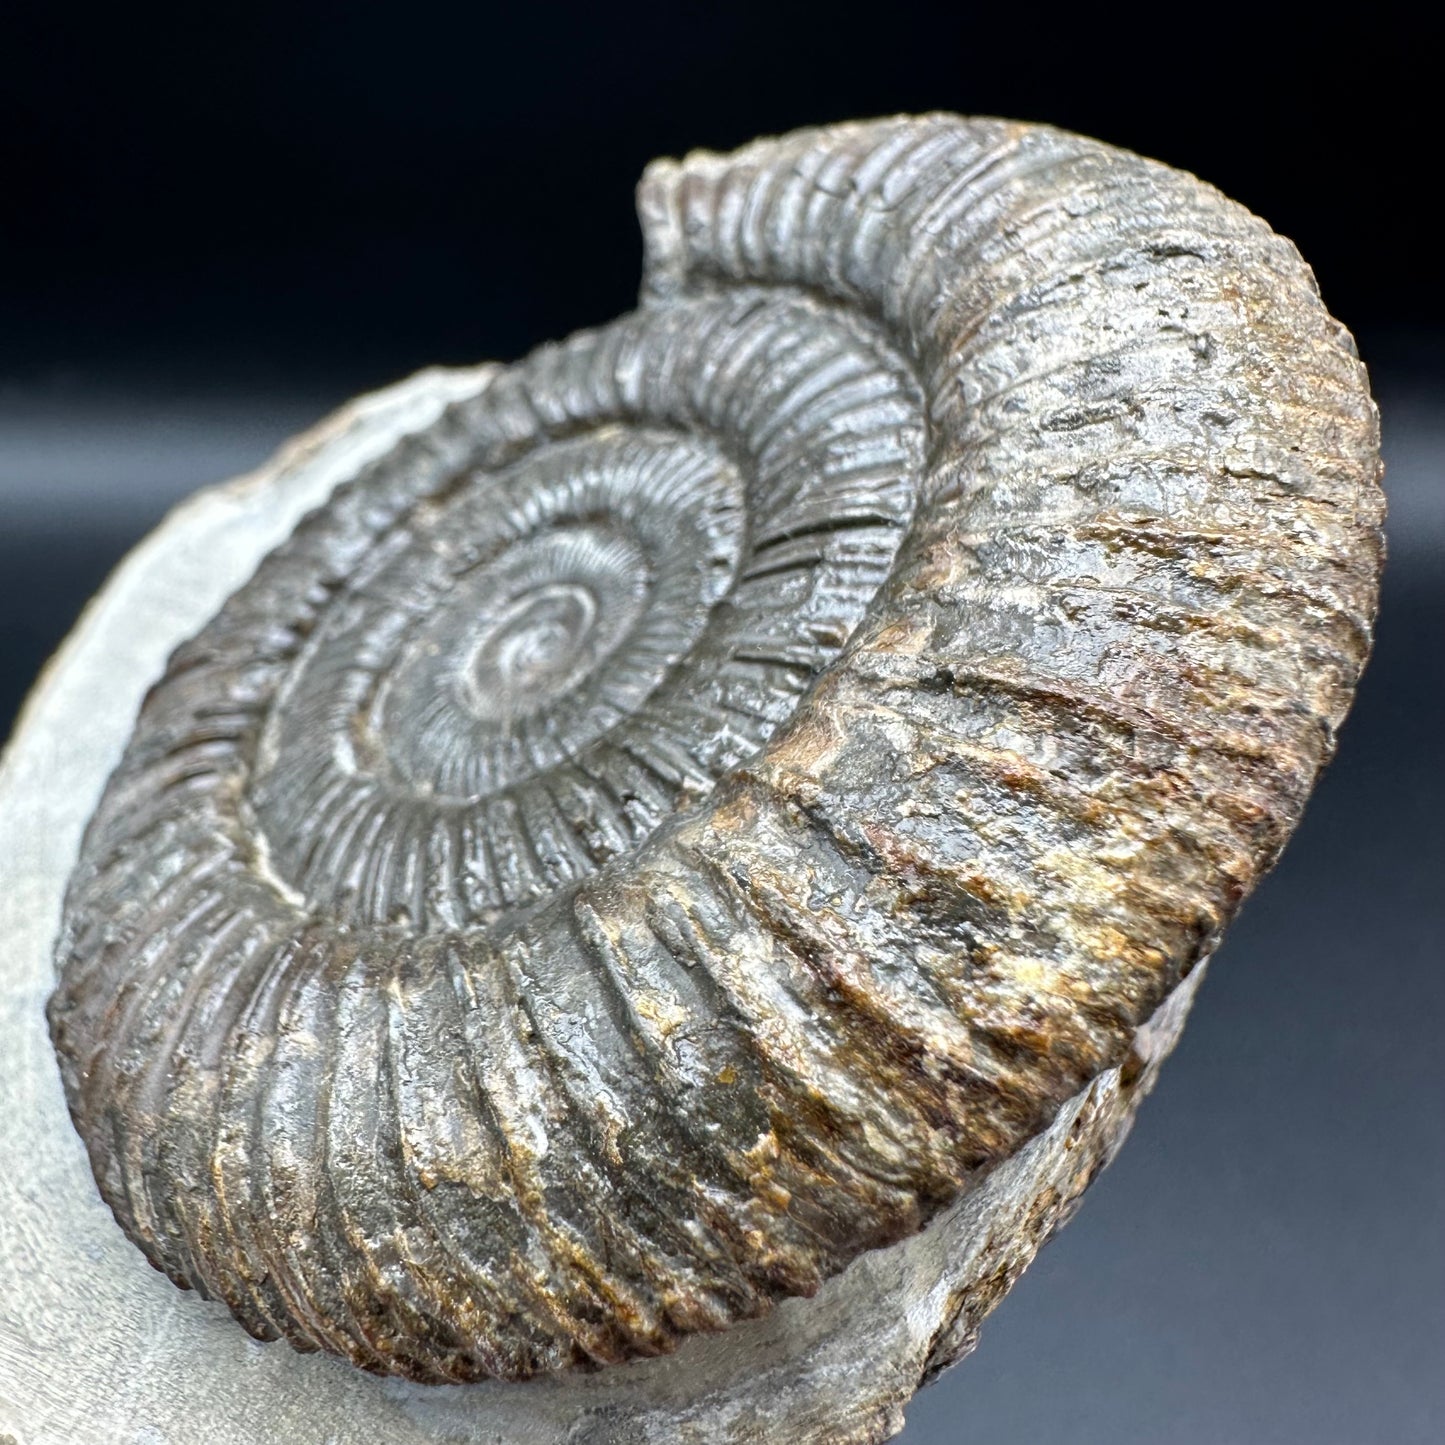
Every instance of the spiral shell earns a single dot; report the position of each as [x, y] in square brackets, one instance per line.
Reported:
[677, 822]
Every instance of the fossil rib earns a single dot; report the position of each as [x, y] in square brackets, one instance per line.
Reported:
[677, 823]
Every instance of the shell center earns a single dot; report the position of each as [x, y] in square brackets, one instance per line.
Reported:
[543, 642]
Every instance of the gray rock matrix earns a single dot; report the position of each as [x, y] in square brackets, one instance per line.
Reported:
[697, 845]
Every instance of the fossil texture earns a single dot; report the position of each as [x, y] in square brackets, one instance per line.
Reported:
[97, 1349]
[681, 820]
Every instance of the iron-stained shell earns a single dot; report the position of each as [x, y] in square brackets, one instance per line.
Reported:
[678, 822]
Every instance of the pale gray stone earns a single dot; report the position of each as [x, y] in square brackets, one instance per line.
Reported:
[1071, 483]
[96, 1348]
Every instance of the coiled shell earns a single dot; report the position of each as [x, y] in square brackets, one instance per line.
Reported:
[676, 824]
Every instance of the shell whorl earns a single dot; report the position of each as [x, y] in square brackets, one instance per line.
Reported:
[670, 825]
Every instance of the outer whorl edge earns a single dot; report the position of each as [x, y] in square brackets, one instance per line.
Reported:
[676, 823]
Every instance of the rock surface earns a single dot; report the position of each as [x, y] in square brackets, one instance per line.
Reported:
[709, 828]
[98, 1349]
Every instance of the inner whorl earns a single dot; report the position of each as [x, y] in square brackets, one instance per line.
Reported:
[671, 825]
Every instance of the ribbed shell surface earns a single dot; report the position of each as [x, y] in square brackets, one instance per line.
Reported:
[674, 824]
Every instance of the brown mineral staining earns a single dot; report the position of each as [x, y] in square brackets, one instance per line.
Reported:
[678, 822]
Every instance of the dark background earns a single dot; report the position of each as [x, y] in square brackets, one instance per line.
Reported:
[252, 192]
[217, 221]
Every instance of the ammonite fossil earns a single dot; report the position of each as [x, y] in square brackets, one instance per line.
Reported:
[682, 819]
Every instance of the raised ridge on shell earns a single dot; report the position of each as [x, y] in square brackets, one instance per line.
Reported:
[680, 821]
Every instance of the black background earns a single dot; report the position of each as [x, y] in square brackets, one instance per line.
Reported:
[216, 221]
[366, 188]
